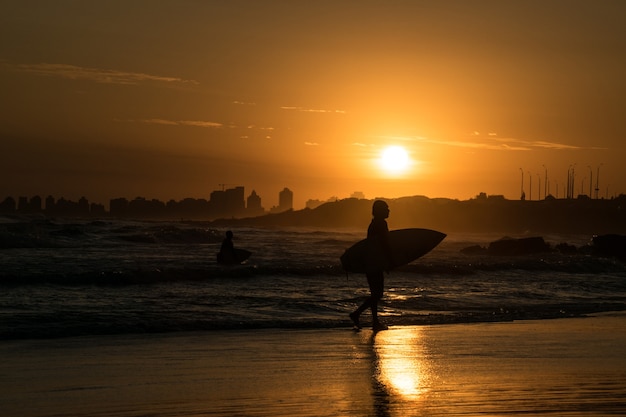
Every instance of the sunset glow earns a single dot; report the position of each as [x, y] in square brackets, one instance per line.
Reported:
[394, 160]
[109, 101]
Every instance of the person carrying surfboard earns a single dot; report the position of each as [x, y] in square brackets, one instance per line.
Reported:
[227, 252]
[378, 239]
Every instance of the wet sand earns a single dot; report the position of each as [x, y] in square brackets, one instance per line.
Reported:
[565, 367]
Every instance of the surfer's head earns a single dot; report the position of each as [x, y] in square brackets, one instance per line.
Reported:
[380, 209]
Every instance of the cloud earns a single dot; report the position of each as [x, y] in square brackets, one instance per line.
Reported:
[302, 109]
[492, 142]
[160, 122]
[195, 123]
[482, 145]
[540, 144]
[260, 128]
[98, 75]
[311, 144]
[553, 145]
[199, 123]
[205, 124]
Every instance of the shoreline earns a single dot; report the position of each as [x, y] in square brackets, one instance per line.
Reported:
[395, 321]
[571, 366]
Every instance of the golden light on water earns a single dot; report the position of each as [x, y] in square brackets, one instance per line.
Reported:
[401, 365]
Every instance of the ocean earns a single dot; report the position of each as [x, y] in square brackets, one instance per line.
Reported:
[77, 277]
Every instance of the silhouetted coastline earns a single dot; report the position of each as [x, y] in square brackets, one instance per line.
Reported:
[476, 215]
[481, 214]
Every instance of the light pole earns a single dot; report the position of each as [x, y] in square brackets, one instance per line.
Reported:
[572, 179]
[598, 181]
[545, 189]
[569, 182]
[522, 196]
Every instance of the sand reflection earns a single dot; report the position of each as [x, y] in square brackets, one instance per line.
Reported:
[400, 369]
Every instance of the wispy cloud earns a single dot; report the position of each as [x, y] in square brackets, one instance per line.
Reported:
[305, 110]
[474, 144]
[195, 123]
[311, 144]
[208, 125]
[98, 75]
[199, 123]
[491, 141]
[160, 122]
[260, 128]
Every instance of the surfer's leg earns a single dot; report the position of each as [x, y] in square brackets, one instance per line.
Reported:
[377, 283]
[374, 308]
[354, 316]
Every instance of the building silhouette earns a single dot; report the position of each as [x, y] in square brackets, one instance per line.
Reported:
[227, 203]
[313, 204]
[8, 205]
[253, 205]
[50, 202]
[285, 201]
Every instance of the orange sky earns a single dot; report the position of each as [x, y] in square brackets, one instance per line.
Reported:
[171, 99]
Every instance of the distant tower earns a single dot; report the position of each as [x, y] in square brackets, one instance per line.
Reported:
[228, 203]
[50, 203]
[35, 203]
[253, 204]
[285, 199]
[22, 204]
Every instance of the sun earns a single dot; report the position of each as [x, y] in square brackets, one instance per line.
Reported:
[395, 159]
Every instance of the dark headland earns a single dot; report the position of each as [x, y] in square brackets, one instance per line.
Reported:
[564, 216]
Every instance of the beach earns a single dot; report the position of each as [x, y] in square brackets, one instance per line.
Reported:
[566, 367]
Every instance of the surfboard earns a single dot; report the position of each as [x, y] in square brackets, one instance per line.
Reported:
[238, 257]
[406, 246]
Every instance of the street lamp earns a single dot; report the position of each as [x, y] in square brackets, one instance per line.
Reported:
[598, 181]
[545, 188]
[522, 196]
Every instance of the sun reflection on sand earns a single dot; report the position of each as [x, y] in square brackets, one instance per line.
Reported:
[401, 366]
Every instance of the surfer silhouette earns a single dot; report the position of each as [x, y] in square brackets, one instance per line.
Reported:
[227, 252]
[378, 234]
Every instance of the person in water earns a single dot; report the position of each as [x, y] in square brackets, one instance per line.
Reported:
[227, 250]
[378, 234]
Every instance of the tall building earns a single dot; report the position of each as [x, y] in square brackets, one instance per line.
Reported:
[227, 203]
[8, 205]
[253, 205]
[50, 204]
[35, 203]
[285, 199]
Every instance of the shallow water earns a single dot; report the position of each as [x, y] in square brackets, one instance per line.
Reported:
[73, 277]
